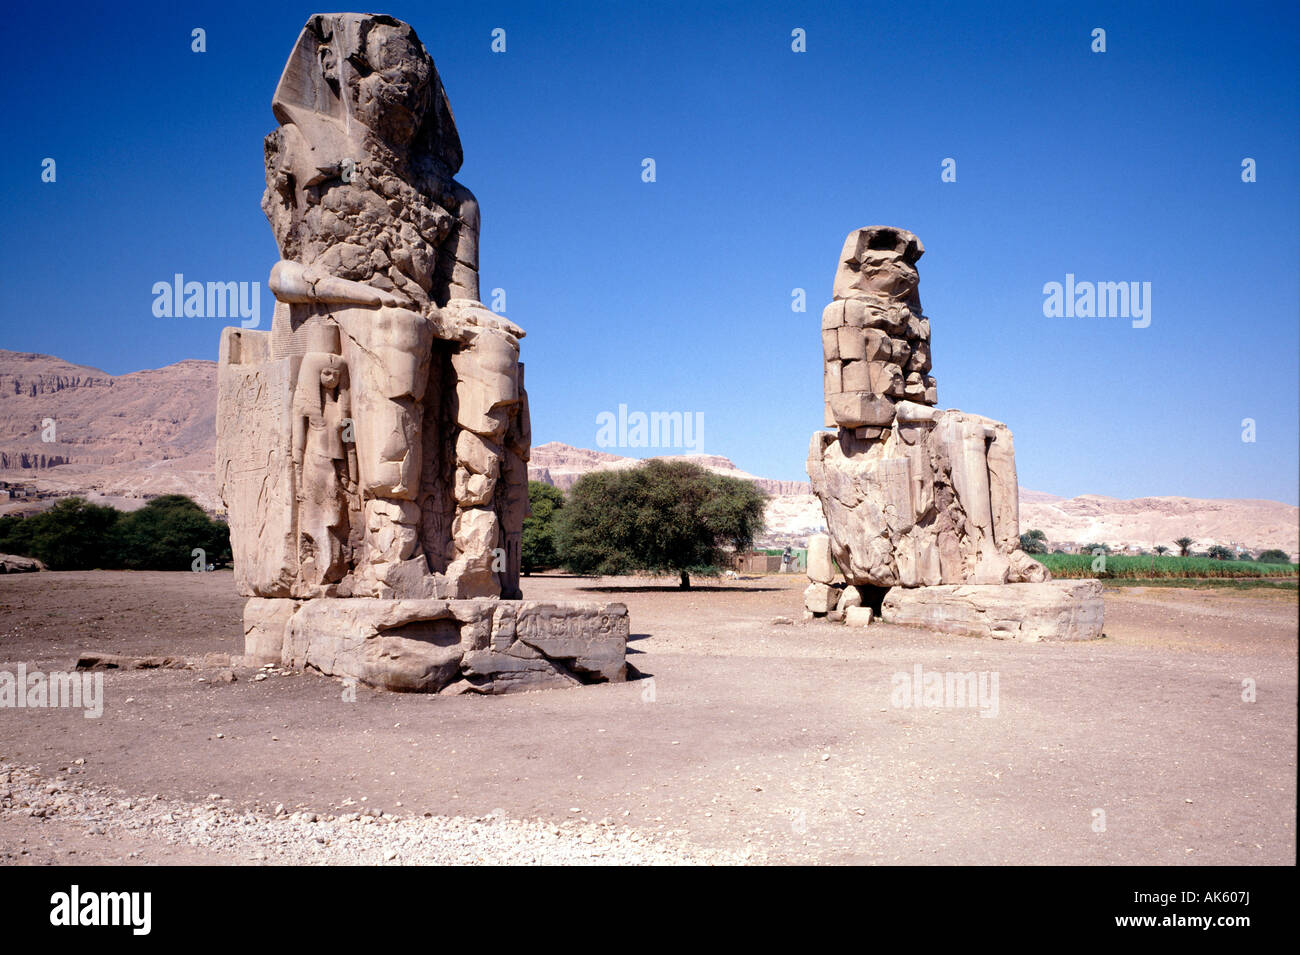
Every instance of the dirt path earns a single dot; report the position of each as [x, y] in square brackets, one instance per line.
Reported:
[744, 740]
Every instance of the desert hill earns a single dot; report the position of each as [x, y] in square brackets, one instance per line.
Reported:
[125, 438]
[562, 465]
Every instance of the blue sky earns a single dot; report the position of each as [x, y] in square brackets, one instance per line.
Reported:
[676, 295]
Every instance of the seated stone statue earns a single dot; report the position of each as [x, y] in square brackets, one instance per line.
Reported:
[378, 286]
[913, 496]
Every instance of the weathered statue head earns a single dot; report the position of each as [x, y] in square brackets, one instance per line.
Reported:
[880, 260]
[372, 70]
[359, 173]
[876, 342]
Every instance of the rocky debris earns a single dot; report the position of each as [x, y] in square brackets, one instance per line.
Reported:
[14, 564]
[821, 568]
[302, 836]
[115, 661]
[449, 646]
[827, 595]
[1056, 610]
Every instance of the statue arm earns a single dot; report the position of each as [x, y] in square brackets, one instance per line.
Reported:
[295, 282]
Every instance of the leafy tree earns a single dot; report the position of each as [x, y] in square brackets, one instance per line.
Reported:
[77, 535]
[1033, 542]
[1092, 548]
[1184, 545]
[1274, 556]
[72, 535]
[1219, 552]
[537, 545]
[16, 535]
[163, 534]
[662, 517]
[1161, 549]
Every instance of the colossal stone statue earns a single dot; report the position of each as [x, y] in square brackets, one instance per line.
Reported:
[373, 446]
[913, 496]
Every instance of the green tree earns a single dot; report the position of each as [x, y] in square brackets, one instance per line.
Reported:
[662, 517]
[1274, 556]
[537, 548]
[163, 534]
[1184, 545]
[1033, 542]
[16, 535]
[1161, 549]
[1219, 552]
[73, 535]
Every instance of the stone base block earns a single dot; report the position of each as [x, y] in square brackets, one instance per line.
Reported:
[427, 646]
[1054, 610]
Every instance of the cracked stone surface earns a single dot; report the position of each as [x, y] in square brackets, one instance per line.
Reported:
[431, 646]
[915, 497]
[373, 445]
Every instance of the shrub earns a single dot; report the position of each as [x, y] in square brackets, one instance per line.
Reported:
[662, 517]
[537, 548]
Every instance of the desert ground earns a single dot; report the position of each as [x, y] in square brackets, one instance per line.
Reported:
[739, 740]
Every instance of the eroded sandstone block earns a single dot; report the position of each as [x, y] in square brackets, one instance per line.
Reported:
[1055, 610]
[426, 646]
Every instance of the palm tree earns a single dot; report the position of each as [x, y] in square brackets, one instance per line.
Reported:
[1184, 546]
[1161, 549]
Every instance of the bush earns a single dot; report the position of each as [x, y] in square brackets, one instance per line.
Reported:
[163, 534]
[72, 535]
[1033, 542]
[662, 517]
[77, 535]
[1274, 556]
[537, 548]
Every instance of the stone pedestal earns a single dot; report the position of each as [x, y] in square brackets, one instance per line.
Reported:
[431, 646]
[1055, 610]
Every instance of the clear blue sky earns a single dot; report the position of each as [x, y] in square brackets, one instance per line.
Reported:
[675, 295]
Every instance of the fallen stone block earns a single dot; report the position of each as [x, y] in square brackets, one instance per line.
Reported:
[858, 616]
[14, 564]
[820, 598]
[427, 646]
[1053, 610]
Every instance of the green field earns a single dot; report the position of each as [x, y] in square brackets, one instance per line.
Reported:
[1207, 583]
[1152, 567]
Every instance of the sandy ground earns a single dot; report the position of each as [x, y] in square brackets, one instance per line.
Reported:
[743, 741]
